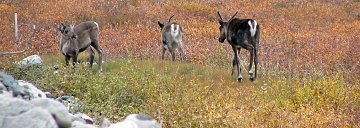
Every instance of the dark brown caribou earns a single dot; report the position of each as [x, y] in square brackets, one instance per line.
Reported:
[241, 33]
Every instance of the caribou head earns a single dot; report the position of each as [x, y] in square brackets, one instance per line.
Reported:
[67, 31]
[223, 27]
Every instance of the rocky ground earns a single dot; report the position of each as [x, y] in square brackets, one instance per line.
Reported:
[25, 106]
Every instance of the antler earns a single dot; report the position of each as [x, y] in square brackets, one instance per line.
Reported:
[220, 16]
[233, 16]
[171, 17]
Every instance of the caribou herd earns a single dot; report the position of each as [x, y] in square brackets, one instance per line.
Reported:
[240, 33]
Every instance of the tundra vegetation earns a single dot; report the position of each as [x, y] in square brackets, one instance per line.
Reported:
[308, 72]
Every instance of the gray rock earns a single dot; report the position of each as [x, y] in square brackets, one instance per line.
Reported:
[34, 118]
[105, 123]
[133, 121]
[13, 106]
[78, 119]
[1, 121]
[81, 117]
[58, 110]
[12, 85]
[30, 61]
[33, 91]
[142, 121]
[49, 95]
[78, 124]
[19, 88]
[73, 104]
[66, 100]
[6, 94]
[2, 88]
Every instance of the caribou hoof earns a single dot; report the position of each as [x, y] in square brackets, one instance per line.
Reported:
[239, 79]
[252, 79]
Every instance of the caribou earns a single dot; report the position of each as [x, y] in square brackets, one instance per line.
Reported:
[76, 39]
[241, 33]
[172, 38]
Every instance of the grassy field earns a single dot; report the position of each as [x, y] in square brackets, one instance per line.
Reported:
[195, 95]
[309, 61]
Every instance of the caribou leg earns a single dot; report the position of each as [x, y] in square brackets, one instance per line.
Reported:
[250, 69]
[173, 55]
[232, 70]
[67, 59]
[256, 61]
[163, 53]
[95, 43]
[100, 52]
[182, 54]
[92, 56]
[237, 61]
[234, 63]
[74, 59]
[256, 46]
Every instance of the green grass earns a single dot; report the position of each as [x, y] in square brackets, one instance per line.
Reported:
[193, 95]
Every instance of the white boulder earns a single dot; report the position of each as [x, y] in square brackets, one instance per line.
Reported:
[33, 60]
[133, 121]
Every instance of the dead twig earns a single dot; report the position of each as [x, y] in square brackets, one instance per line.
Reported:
[17, 40]
[26, 47]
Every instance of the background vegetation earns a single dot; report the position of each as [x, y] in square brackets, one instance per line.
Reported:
[309, 61]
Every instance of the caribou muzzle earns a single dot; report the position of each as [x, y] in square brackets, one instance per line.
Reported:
[221, 39]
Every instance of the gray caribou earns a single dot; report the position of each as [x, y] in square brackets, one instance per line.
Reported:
[76, 39]
[241, 33]
[172, 38]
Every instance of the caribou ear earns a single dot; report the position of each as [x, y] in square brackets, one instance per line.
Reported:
[221, 22]
[160, 24]
[60, 27]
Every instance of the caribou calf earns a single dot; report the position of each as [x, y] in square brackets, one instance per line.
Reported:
[241, 33]
[172, 38]
[76, 39]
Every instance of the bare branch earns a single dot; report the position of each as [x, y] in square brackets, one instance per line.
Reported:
[26, 47]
